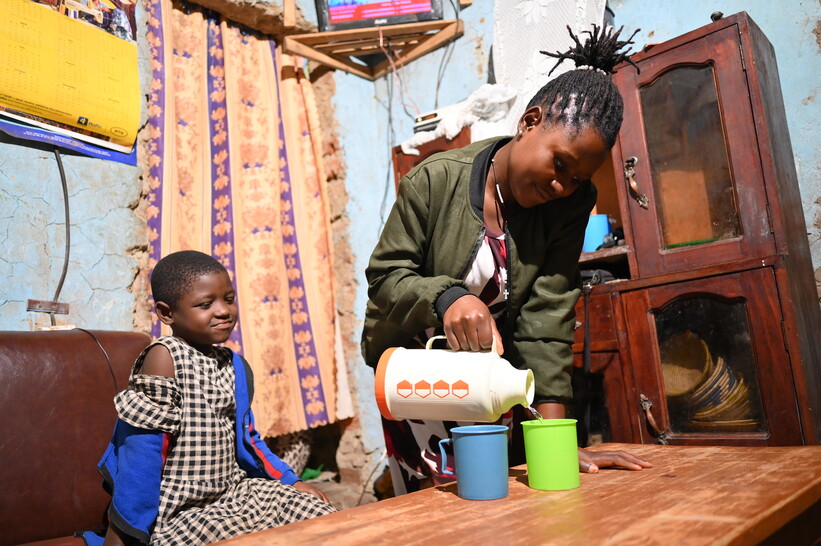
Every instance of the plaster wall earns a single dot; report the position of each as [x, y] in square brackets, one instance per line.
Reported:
[108, 236]
[794, 29]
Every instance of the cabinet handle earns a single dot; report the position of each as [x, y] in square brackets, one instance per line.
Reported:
[629, 172]
[646, 405]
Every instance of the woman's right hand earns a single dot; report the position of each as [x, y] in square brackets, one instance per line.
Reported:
[469, 325]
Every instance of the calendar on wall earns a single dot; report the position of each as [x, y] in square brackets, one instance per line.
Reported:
[70, 66]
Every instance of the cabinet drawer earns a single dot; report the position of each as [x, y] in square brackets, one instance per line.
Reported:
[602, 326]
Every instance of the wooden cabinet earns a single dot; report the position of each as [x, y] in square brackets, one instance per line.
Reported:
[712, 359]
[697, 155]
[402, 162]
[714, 327]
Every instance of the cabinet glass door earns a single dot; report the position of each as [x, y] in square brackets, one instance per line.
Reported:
[689, 166]
[708, 366]
[708, 356]
[694, 193]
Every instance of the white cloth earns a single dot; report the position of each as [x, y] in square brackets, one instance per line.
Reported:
[489, 103]
[521, 29]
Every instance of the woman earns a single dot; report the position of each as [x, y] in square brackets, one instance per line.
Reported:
[483, 242]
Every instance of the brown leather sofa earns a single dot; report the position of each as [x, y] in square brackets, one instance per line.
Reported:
[56, 418]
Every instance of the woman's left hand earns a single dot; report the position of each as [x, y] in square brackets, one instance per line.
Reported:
[308, 488]
[591, 461]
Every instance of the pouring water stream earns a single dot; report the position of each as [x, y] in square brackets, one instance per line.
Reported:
[535, 413]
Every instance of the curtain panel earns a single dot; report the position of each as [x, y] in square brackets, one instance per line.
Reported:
[235, 171]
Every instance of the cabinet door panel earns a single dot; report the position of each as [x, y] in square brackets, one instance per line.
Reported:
[709, 354]
[610, 419]
[602, 329]
[689, 122]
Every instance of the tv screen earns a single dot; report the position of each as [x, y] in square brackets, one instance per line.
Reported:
[345, 14]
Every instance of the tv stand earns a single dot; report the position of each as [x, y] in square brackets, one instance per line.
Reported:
[404, 43]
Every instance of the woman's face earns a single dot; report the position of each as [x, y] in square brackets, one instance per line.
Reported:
[549, 162]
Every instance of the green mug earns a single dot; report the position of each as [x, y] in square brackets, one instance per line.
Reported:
[552, 454]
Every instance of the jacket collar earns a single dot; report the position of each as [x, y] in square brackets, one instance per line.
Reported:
[478, 175]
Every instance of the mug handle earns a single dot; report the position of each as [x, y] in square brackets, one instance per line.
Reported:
[445, 455]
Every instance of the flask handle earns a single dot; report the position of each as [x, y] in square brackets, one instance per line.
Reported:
[429, 344]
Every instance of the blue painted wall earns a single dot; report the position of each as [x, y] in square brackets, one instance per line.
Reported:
[107, 232]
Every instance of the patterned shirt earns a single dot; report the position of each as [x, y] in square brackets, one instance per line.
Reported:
[487, 277]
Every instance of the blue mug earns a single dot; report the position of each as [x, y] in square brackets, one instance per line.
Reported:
[598, 225]
[480, 452]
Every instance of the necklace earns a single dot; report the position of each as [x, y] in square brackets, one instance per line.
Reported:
[496, 182]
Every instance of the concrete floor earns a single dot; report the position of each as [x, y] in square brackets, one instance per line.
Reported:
[344, 495]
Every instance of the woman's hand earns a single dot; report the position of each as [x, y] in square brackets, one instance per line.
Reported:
[308, 488]
[591, 461]
[469, 325]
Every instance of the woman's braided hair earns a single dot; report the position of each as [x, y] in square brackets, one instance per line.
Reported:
[586, 96]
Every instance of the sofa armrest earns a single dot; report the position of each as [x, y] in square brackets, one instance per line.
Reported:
[57, 413]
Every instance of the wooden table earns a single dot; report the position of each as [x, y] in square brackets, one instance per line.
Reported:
[692, 495]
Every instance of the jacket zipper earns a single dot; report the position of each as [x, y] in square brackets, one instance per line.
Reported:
[508, 283]
[476, 246]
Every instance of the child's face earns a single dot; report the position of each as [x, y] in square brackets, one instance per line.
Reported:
[548, 162]
[207, 313]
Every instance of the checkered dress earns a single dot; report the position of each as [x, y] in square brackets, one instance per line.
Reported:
[205, 496]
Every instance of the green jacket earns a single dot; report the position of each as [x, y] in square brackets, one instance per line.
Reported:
[430, 240]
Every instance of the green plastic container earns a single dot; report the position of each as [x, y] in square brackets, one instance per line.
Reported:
[552, 454]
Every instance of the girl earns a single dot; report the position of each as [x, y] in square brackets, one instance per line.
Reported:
[484, 242]
[185, 465]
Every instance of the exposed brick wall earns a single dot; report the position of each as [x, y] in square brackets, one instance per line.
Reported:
[351, 459]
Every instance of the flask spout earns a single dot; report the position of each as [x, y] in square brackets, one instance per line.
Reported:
[515, 387]
[530, 388]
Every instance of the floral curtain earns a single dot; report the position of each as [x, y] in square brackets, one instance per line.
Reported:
[235, 171]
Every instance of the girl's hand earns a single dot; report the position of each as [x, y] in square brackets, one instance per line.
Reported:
[308, 488]
[469, 325]
[591, 461]
[115, 537]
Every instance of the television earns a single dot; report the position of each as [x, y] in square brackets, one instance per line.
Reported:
[347, 14]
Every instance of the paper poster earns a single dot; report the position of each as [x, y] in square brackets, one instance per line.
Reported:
[70, 66]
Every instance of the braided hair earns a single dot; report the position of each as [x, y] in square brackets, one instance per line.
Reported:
[175, 274]
[586, 96]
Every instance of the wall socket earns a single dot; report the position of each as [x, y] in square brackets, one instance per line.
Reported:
[47, 307]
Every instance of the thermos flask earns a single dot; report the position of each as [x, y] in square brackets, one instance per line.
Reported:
[447, 385]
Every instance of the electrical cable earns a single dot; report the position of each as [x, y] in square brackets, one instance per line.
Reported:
[367, 481]
[445, 59]
[403, 92]
[391, 136]
[455, 8]
[68, 230]
[386, 191]
[107, 359]
[440, 74]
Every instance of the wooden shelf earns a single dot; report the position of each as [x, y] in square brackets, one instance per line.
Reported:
[404, 43]
[608, 255]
